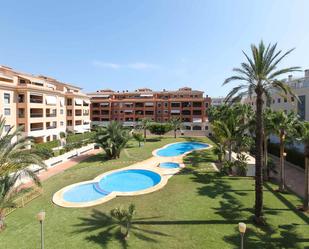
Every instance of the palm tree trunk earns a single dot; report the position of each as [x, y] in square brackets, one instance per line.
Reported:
[266, 176]
[175, 133]
[306, 197]
[282, 172]
[145, 130]
[259, 158]
[230, 151]
[2, 223]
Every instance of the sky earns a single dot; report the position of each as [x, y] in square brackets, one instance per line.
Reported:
[158, 44]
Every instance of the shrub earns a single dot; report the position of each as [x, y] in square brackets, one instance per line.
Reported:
[226, 167]
[45, 150]
[241, 164]
[159, 128]
[86, 138]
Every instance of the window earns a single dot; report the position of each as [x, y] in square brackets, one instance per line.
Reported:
[279, 100]
[292, 99]
[301, 107]
[61, 111]
[285, 100]
[7, 97]
[165, 104]
[206, 104]
[7, 128]
[7, 111]
[21, 98]
[61, 123]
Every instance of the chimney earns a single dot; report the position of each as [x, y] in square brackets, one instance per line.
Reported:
[290, 77]
[307, 73]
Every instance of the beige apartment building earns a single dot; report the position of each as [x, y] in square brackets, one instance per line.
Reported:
[300, 87]
[42, 105]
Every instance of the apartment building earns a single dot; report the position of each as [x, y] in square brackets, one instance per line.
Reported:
[159, 106]
[42, 105]
[300, 87]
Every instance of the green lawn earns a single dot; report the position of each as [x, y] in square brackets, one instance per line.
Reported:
[196, 209]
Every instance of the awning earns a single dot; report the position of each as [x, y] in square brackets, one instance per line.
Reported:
[128, 103]
[62, 101]
[197, 120]
[104, 104]
[146, 95]
[32, 79]
[175, 111]
[78, 101]
[51, 100]
[37, 94]
[149, 104]
[130, 111]
[86, 101]
[104, 95]
[51, 86]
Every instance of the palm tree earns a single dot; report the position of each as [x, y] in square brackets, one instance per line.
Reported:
[175, 125]
[284, 125]
[305, 140]
[269, 128]
[144, 125]
[259, 76]
[138, 137]
[15, 160]
[112, 139]
[124, 218]
[7, 192]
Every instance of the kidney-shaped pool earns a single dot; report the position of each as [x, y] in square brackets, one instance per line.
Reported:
[178, 149]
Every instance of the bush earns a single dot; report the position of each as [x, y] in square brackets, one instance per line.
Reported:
[45, 150]
[226, 167]
[159, 128]
[85, 138]
[293, 155]
[241, 164]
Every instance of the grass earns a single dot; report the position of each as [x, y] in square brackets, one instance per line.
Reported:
[198, 208]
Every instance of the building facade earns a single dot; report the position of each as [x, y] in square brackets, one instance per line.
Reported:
[300, 87]
[159, 106]
[43, 106]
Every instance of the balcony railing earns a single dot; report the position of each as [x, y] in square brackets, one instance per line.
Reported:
[36, 128]
[51, 127]
[51, 115]
[36, 115]
[38, 101]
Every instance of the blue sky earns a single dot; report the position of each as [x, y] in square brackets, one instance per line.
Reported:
[158, 44]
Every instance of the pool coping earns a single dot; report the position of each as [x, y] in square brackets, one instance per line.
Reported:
[152, 164]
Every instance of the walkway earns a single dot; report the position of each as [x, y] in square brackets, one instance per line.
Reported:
[294, 175]
[45, 174]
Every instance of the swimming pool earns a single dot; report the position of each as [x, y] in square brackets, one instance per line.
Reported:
[169, 165]
[178, 149]
[129, 180]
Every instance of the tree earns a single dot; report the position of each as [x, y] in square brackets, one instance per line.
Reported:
[124, 218]
[175, 125]
[259, 76]
[15, 160]
[138, 137]
[284, 126]
[305, 140]
[159, 128]
[112, 139]
[144, 125]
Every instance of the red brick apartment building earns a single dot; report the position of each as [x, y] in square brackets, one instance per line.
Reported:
[159, 106]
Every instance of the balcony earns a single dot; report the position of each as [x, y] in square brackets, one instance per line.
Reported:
[51, 127]
[36, 99]
[50, 115]
[36, 126]
[36, 113]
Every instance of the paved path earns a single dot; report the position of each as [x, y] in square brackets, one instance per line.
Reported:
[294, 176]
[45, 174]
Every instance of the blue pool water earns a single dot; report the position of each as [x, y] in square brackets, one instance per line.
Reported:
[129, 180]
[83, 193]
[122, 181]
[178, 149]
[169, 165]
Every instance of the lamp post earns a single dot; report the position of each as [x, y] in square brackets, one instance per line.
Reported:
[242, 229]
[41, 218]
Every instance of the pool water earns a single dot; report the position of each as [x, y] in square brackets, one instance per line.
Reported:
[129, 180]
[83, 193]
[169, 165]
[181, 148]
[121, 181]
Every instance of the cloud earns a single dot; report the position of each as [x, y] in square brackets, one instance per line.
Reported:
[135, 65]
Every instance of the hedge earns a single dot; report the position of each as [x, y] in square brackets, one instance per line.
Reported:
[293, 155]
